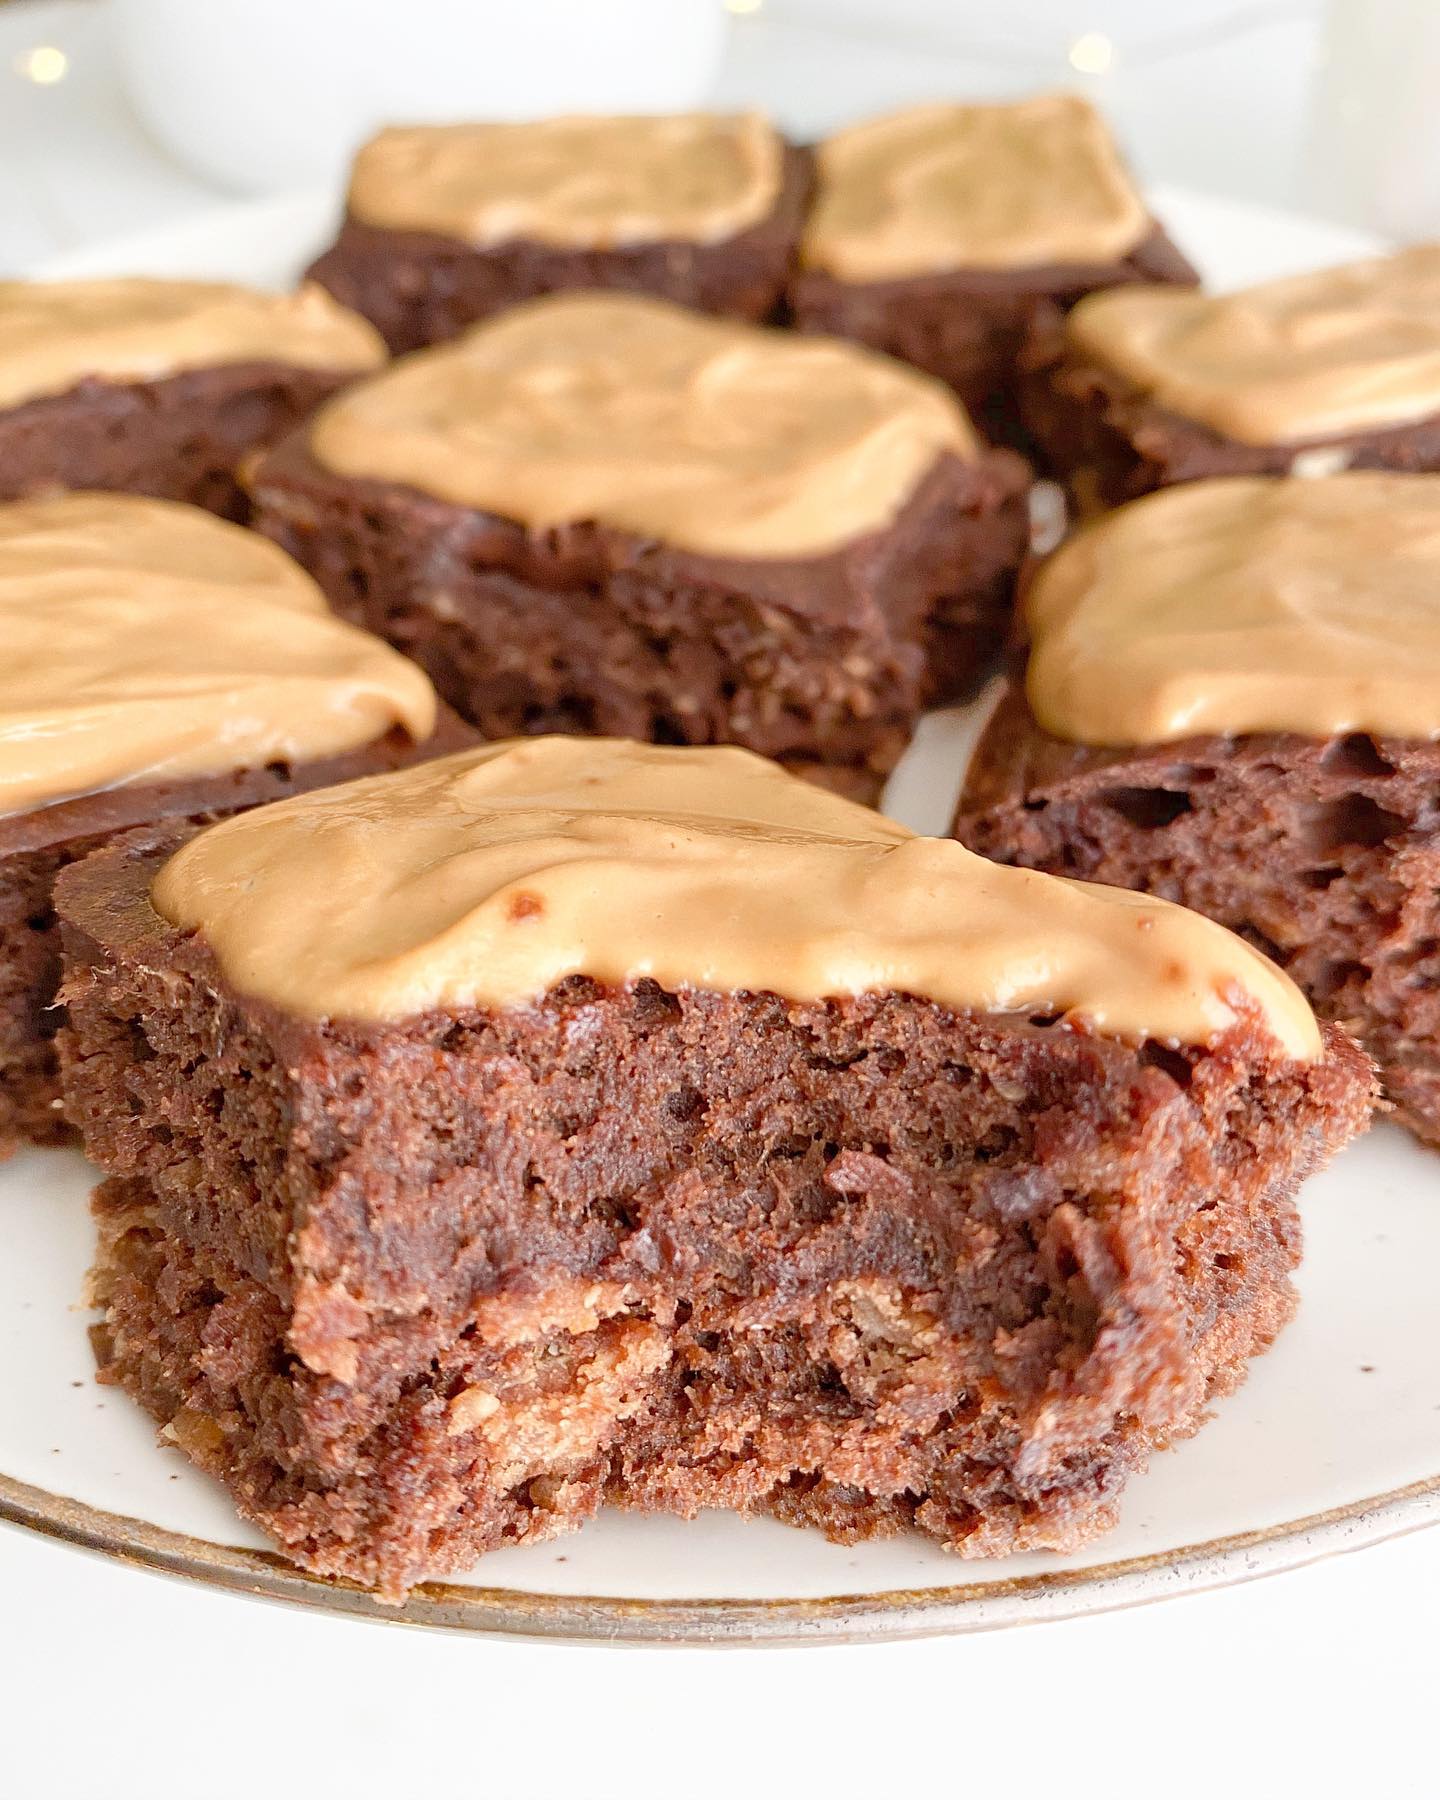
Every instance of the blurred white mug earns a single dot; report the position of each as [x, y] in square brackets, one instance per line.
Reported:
[1374, 143]
[261, 95]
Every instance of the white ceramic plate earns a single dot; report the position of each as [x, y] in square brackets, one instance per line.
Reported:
[1332, 1444]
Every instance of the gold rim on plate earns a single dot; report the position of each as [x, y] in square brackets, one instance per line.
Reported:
[838, 1618]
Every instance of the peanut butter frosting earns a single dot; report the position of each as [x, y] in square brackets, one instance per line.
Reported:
[1244, 604]
[56, 334]
[1314, 356]
[935, 188]
[707, 435]
[482, 879]
[586, 183]
[147, 641]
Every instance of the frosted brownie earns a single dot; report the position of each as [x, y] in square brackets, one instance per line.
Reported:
[939, 234]
[571, 1121]
[162, 387]
[159, 666]
[1233, 700]
[1336, 369]
[604, 514]
[446, 224]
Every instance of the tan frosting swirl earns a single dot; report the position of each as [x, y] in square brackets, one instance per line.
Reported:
[54, 334]
[580, 182]
[1245, 604]
[484, 878]
[145, 641]
[972, 187]
[1314, 356]
[707, 435]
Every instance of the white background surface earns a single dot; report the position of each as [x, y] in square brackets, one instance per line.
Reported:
[117, 1683]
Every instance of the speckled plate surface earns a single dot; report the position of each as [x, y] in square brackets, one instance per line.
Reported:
[1333, 1443]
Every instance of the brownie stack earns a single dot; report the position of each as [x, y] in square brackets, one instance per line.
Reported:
[568, 1122]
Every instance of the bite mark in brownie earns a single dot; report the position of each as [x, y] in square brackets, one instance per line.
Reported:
[415, 1286]
[863, 1265]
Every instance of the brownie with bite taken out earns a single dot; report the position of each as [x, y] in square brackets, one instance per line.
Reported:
[570, 1122]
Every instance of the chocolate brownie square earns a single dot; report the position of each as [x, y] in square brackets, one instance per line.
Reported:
[162, 387]
[1231, 701]
[940, 233]
[570, 1122]
[1339, 369]
[160, 667]
[603, 514]
[446, 224]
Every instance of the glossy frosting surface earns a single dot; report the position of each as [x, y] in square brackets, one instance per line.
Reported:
[591, 183]
[1326, 354]
[485, 878]
[1242, 605]
[711, 436]
[1007, 186]
[147, 641]
[55, 334]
